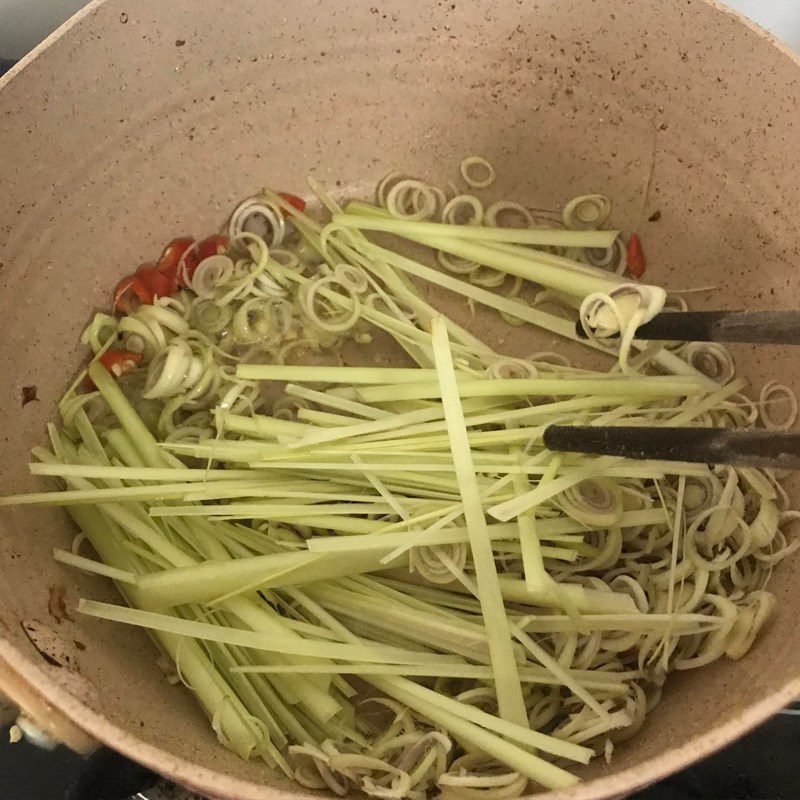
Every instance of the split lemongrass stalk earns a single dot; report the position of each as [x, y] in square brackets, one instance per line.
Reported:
[507, 684]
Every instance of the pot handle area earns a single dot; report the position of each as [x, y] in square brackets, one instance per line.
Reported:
[40, 721]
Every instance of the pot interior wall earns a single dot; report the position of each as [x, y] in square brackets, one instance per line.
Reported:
[137, 125]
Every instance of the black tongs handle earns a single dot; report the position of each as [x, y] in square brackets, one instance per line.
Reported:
[754, 327]
[752, 448]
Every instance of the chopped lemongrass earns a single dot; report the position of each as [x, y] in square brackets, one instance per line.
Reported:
[89, 565]
[549, 237]
[649, 387]
[211, 579]
[167, 623]
[509, 693]
[346, 375]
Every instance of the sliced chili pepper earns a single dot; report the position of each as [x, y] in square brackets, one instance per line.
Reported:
[117, 362]
[169, 260]
[635, 256]
[210, 246]
[293, 200]
[173, 251]
[131, 292]
[159, 284]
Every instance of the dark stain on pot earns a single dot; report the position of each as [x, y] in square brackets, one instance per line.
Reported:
[33, 632]
[29, 394]
[56, 605]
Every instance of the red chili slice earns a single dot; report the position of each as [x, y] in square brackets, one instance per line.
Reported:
[169, 260]
[117, 362]
[293, 200]
[159, 284]
[635, 256]
[131, 292]
[210, 246]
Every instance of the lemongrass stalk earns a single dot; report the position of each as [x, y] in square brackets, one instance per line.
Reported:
[646, 387]
[412, 622]
[553, 260]
[263, 621]
[262, 426]
[355, 526]
[445, 516]
[325, 419]
[527, 266]
[545, 551]
[399, 288]
[547, 530]
[536, 577]
[254, 640]
[339, 403]
[90, 565]
[374, 587]
[247, 510]
[538, 495]
[683, 624]
[509, 692]
[586, 601]
[559, 672]
[531, 674]
[211, 579]
[143, 440]
[550, 322]
[257, 491]
[547, 237]
[477, 440]
[224, 659]
[382, 490]
[514, 590]
[392, 423]
[212, 691]
[471, 726]
[507, 413]
[692, 410]
[346, 375]
[207, 684]
[147, 492]
[165, 475]
[419, 467]
[89, 436]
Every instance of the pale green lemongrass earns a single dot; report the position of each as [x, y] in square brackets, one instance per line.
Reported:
[596, 679]
[651, 387]
[158, 474]
[295, 646]
[90, 565]
[472, 726]
[548, 237]
[507, 685]
[206, 581]
[548, 529]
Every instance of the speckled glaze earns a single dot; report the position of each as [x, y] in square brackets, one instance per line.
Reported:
[140, 121]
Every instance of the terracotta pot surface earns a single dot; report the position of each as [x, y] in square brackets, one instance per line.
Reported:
[140, 121]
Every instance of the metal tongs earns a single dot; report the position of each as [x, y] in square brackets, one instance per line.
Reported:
[755, 448]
